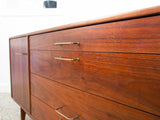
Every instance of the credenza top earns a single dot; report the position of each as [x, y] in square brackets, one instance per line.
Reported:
[130, 15]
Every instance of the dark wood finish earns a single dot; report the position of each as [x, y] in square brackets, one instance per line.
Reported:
[131, 79]
[41, 111]
[87, 106]
[117, 77]
[19, 72]
[23, 114]
[130, 15]
[135, 36]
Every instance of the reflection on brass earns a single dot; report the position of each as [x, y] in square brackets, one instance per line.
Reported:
[64, 115]
[21, 53]
[67, 59]
[67, 43]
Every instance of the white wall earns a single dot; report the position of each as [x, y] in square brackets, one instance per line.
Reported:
[16, 20]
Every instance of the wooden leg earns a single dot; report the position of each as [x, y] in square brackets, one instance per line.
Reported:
[23, 114]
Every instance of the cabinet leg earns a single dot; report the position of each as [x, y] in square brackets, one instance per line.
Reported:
[23, 114]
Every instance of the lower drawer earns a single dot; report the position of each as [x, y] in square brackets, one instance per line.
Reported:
[41, 111]
[75, 102]
[130, 79]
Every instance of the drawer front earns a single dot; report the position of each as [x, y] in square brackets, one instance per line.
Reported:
[41, 111]
[131, 79]
[77, 103]
[136, 36]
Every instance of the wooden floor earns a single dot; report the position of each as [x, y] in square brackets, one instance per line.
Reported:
[9, 110]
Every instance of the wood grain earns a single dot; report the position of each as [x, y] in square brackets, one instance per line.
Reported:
[41, 111]
[131, 79]
[19, 72]
[87, 106]
[134, 36]
[117, 77]
[130, 15]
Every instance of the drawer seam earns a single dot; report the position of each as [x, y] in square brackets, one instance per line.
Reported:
[96, 52]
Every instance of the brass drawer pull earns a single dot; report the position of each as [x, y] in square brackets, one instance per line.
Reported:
[67, 43]
[21, 53]
[67, 59]
[64, 115]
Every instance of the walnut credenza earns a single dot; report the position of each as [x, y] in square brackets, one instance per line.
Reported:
[106, 69]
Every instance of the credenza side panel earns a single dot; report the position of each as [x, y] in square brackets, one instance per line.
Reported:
[20, 72]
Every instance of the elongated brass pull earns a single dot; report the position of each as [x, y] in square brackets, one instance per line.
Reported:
[64, 115]
[67, 59]
[67, 43]
[21, 53]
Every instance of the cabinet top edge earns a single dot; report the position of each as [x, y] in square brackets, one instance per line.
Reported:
[130, 15]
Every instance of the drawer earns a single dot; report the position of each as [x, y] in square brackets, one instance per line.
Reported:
[131, 79]
[19, 45]
[136, 36]
[41, 111]
[74, 103]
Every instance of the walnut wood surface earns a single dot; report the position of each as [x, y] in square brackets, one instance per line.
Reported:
[87, 106]
[41, 111]
[131, 79]
[117, 77]
[138, 36]
[130, 15]
[19, 72]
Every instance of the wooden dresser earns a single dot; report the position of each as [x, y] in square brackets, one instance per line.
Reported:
[106, 69]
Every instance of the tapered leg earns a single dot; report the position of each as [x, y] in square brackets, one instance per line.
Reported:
[23, 114]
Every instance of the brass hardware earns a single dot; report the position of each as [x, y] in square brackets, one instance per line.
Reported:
[21, 53]
[67, 59]
[67, 43]
[64, 115]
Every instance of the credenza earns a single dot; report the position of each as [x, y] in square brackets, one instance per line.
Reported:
[105, 69]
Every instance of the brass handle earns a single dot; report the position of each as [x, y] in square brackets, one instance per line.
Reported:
[67, 43]
[64, 115]
[21, 53]
[67, 59]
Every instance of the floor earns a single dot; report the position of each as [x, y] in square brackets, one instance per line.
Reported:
[9, 110]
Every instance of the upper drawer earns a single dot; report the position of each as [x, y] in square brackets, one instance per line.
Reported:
[19, 45]
[138, 35]
[131, 79]
[77, 103]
